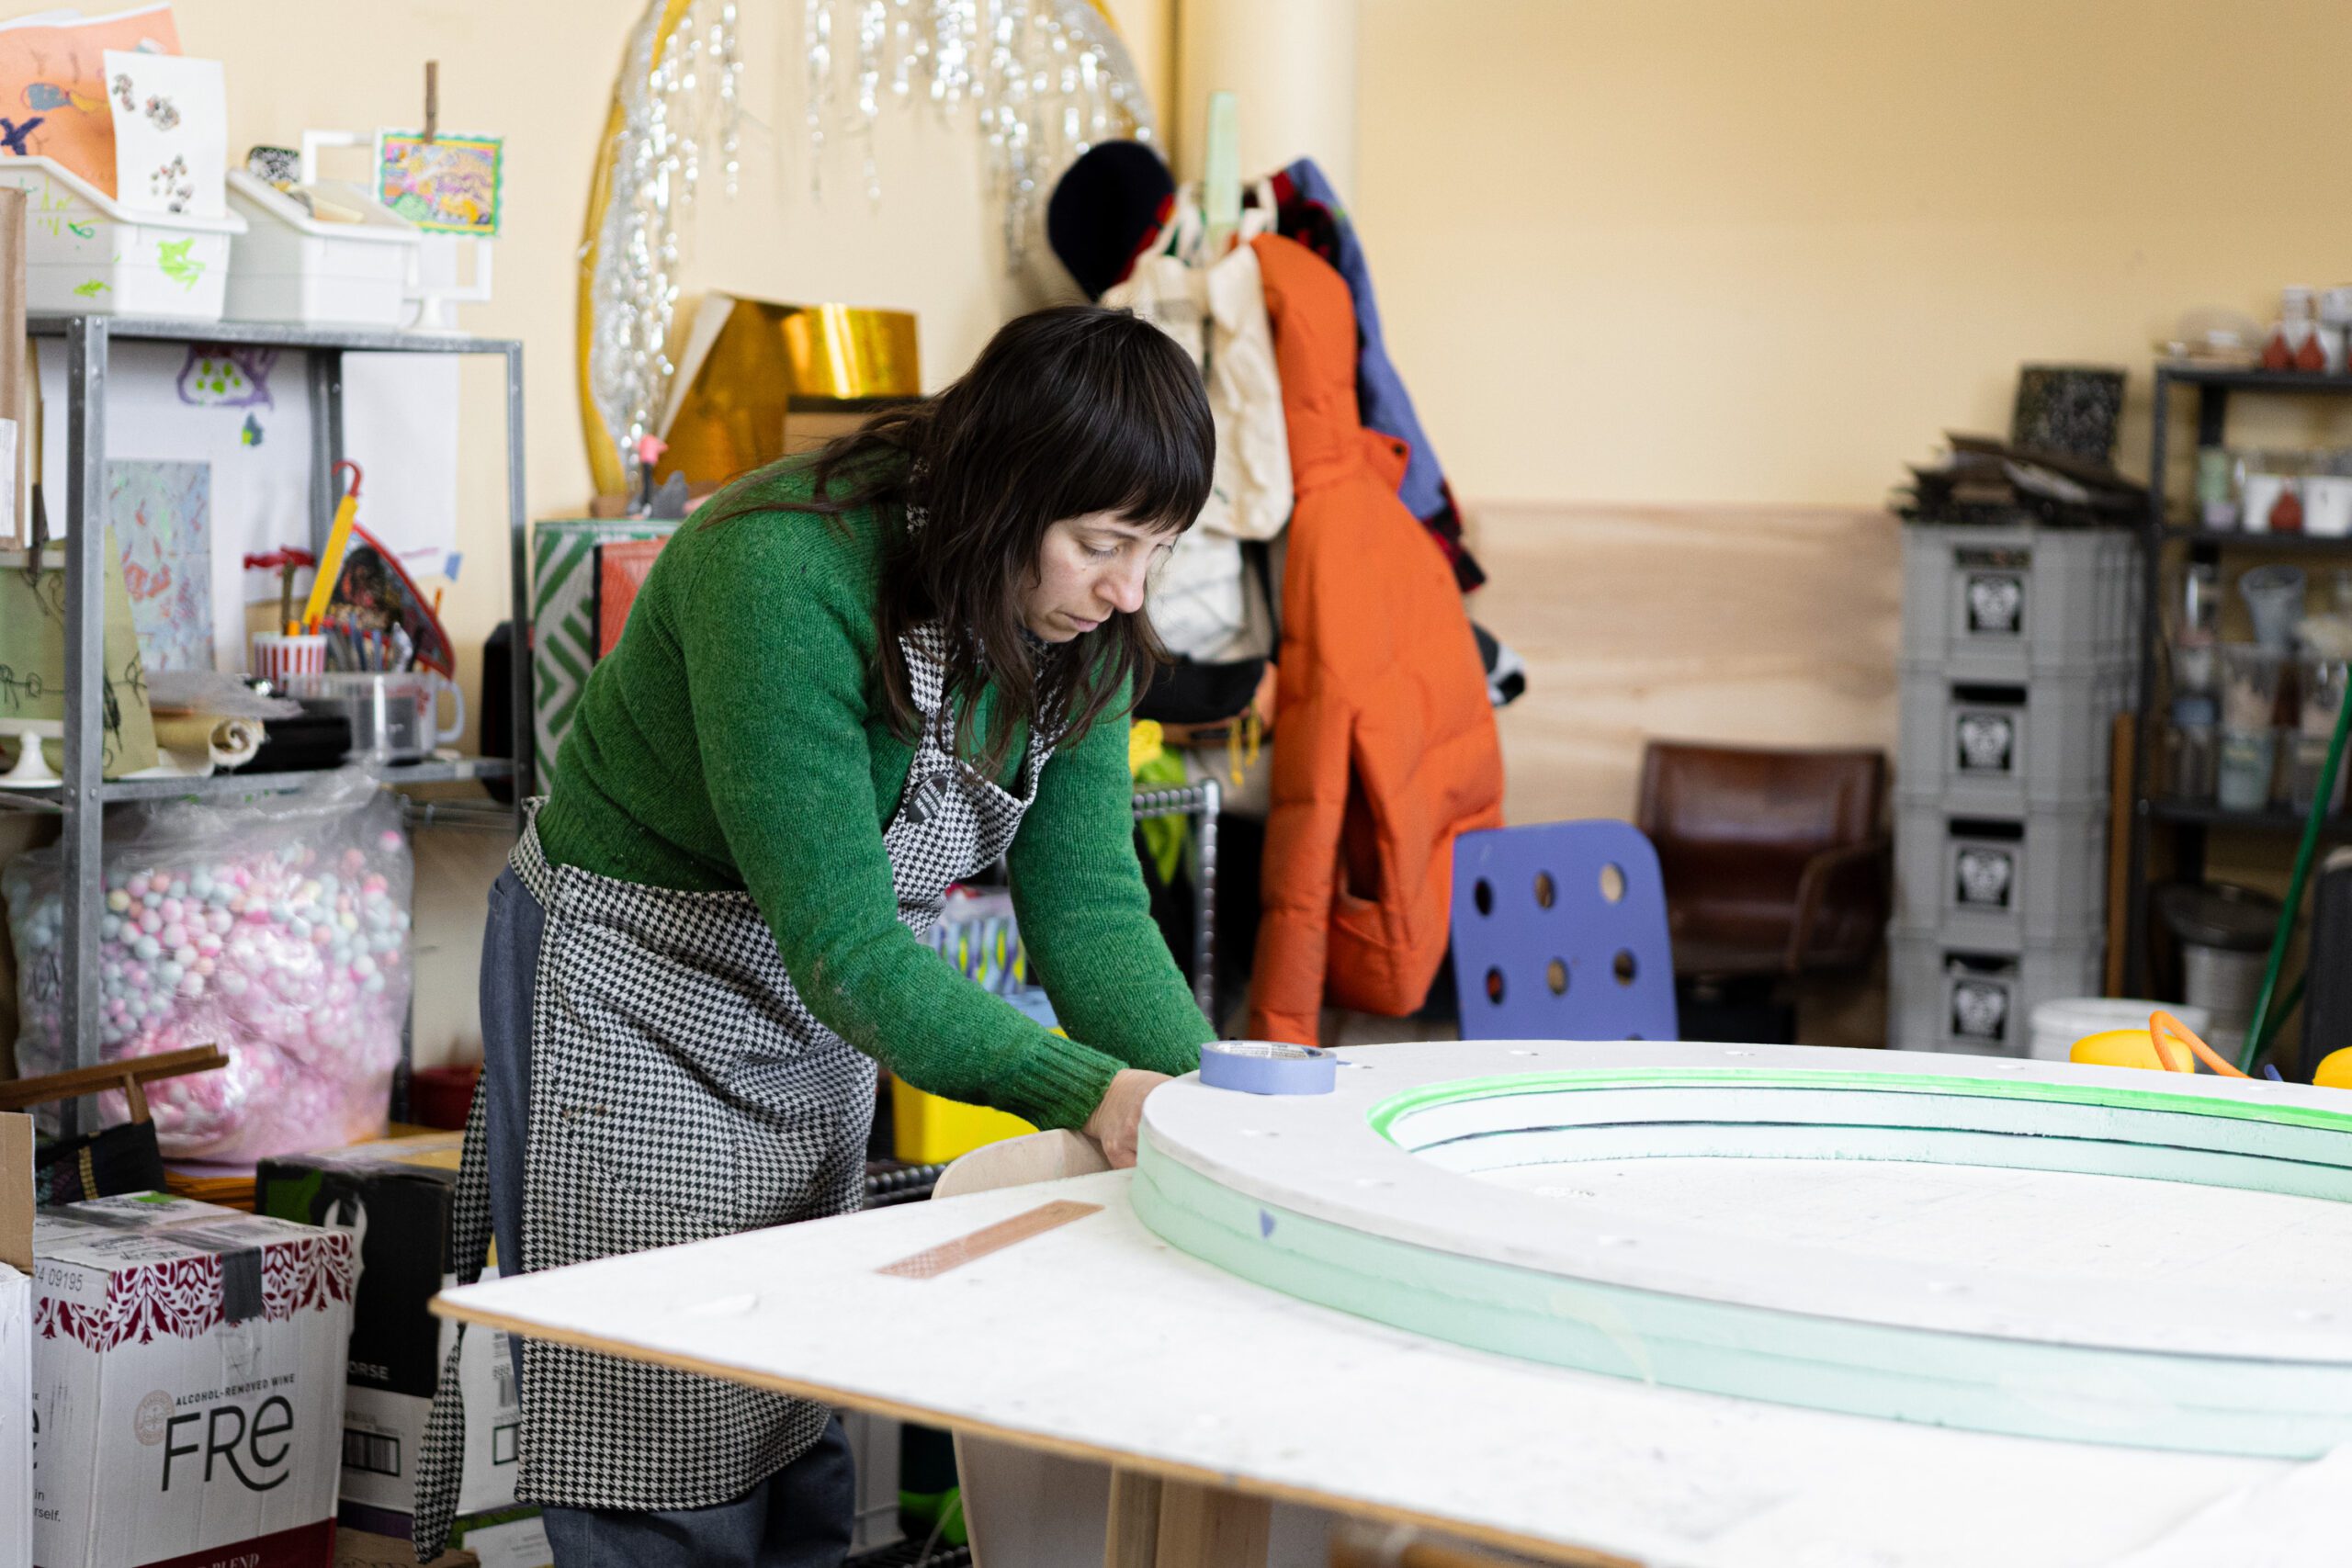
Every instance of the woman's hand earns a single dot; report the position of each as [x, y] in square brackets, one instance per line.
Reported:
[1115, 1121]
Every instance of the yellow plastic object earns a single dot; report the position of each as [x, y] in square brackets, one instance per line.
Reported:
[1147, 742]
[347, 511]
[2165, 1045]
[2336, 1070]
[2117, 1048]
[927, 1129]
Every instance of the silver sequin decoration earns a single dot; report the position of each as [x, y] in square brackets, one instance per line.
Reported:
[1047, 78]
[671, 111]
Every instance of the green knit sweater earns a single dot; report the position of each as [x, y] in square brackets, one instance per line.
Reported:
[735, 739]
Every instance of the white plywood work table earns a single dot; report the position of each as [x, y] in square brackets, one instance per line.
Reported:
[1098, 1340]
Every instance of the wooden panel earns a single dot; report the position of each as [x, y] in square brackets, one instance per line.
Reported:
[2119, 849]
[1207, 1526]
[1133, 1538]
[1768, 626]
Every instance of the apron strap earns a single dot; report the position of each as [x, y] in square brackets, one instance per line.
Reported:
[441, 1459]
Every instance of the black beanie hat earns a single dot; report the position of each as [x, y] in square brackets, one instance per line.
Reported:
[1105, 208]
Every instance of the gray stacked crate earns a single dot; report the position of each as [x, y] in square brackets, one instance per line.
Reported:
[2018, 653]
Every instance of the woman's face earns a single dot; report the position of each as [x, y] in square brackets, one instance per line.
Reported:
[1089, 569]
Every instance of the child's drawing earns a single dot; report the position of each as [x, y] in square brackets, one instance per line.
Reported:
[172, 258]
[163, 520]
[449, 184]
[54, 74]
[170, 127]
[218, 377]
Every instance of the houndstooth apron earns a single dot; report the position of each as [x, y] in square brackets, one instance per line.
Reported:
[680, 1091]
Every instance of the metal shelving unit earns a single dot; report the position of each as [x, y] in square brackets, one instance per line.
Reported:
[1201, 802]
[2190, 821]
[83, 795]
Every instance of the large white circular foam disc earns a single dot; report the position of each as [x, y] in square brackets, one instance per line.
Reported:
[2092, 1254]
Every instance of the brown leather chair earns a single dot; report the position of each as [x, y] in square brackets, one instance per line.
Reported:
[1776, 862]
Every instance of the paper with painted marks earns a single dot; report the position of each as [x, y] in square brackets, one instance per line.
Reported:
[162, 515]
[243, 412]
[32, 659]
[171, 132]
[937, 1260]
[245, 409]
[53, 99]
[450, 185]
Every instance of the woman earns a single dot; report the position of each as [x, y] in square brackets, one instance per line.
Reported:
[848, 683]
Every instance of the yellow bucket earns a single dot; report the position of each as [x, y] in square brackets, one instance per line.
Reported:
[927, 1129]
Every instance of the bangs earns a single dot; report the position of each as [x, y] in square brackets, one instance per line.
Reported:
[1132, 436]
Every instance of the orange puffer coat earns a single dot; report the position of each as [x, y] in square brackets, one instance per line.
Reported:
[1386, 745]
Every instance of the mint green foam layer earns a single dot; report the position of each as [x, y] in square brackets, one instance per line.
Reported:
[1864, 1141]
[1386, 1115]
[2216, 1405]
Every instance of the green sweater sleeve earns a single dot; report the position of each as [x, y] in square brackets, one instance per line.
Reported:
[1078, 892]
[776, 674]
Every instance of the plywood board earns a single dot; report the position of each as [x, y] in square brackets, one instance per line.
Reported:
[1763, 626]
[1105, 1344]
[1746, 625]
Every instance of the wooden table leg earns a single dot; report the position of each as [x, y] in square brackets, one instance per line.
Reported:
[1208, 1527]
[1132, 1540]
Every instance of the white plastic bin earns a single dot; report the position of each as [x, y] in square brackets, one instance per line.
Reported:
[87, 255]
[288, 267]
[1999, 748]
[1943, 996]
[2003, 604]
[2004, 882]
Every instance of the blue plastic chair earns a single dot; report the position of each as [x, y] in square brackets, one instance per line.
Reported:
[1560, 933]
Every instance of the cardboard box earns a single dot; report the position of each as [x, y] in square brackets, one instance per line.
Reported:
[16, 1341]
[188, 1385]
[516, 1538]
[397, 1195]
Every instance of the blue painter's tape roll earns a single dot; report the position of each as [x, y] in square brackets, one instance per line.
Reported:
[1263, 1067]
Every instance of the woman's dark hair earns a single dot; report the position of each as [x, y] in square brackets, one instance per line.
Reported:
[1067, 412]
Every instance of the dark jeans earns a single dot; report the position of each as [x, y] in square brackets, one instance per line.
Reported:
[801, 1516]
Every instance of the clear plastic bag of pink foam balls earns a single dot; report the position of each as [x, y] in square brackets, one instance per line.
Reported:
[276, 928]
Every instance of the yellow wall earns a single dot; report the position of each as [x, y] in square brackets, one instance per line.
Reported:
[1725, 251]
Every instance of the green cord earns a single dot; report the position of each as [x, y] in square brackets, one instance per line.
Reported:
[2286, 1009]
[2259, 1026]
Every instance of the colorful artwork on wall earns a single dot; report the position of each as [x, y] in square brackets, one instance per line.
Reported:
[163, 518]
[450, 185]
[53, 94]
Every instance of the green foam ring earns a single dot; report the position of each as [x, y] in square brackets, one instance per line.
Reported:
[1384, 1116]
